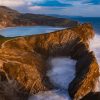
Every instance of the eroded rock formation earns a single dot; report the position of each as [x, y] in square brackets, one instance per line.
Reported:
[24, 61]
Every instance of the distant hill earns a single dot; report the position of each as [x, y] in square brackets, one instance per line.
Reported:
[10, 18]
[24, 63]
[64, 16]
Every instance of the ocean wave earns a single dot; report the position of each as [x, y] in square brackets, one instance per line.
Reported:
[57, 75]
[61, 74]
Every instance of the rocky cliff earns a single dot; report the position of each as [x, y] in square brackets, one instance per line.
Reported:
[23, 62]
[10, 18]
[7, 16]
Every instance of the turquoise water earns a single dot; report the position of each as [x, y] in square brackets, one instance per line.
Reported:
[29, 30]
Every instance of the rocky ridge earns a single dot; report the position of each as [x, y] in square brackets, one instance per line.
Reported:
[23, 62]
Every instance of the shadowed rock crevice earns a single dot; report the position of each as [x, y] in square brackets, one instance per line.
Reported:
[92, 96]
[24, 59]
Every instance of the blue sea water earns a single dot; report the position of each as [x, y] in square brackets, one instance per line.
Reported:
[27, 30]
[95, 21]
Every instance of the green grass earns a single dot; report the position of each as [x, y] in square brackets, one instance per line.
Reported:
[3, 39]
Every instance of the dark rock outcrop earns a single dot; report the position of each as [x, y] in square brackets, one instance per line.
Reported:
[11, 18]
[92, 96]
[24, 60]
[86, 73]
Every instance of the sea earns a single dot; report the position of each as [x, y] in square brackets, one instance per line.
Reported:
[63, 69]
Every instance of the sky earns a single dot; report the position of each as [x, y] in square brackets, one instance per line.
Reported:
[90, 8]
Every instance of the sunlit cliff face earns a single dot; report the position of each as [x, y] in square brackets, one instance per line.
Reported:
[24, 59]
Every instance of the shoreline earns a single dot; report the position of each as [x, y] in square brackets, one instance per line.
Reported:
[32, 26]
[45, 29]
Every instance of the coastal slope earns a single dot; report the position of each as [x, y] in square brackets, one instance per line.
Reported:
[11, 18]
[24, 62]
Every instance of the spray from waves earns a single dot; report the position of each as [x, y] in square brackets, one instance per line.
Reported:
[61, 74]
[51, 95]
[95, 46]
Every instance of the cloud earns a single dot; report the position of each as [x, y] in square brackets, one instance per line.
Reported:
[12, 3]
[26, 3]
[85, 10]
[75, 2]
[35, 8]
[82, 10]
[20, 3]
[62, 7]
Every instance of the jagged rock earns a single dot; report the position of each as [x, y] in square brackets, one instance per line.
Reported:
[24, 60]
[86, 74]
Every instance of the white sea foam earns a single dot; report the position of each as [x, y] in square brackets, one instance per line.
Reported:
[95, 46]
[61, 74]
[51, 95]
[62, 71]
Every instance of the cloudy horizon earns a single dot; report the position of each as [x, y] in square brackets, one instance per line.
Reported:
[88, 8]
